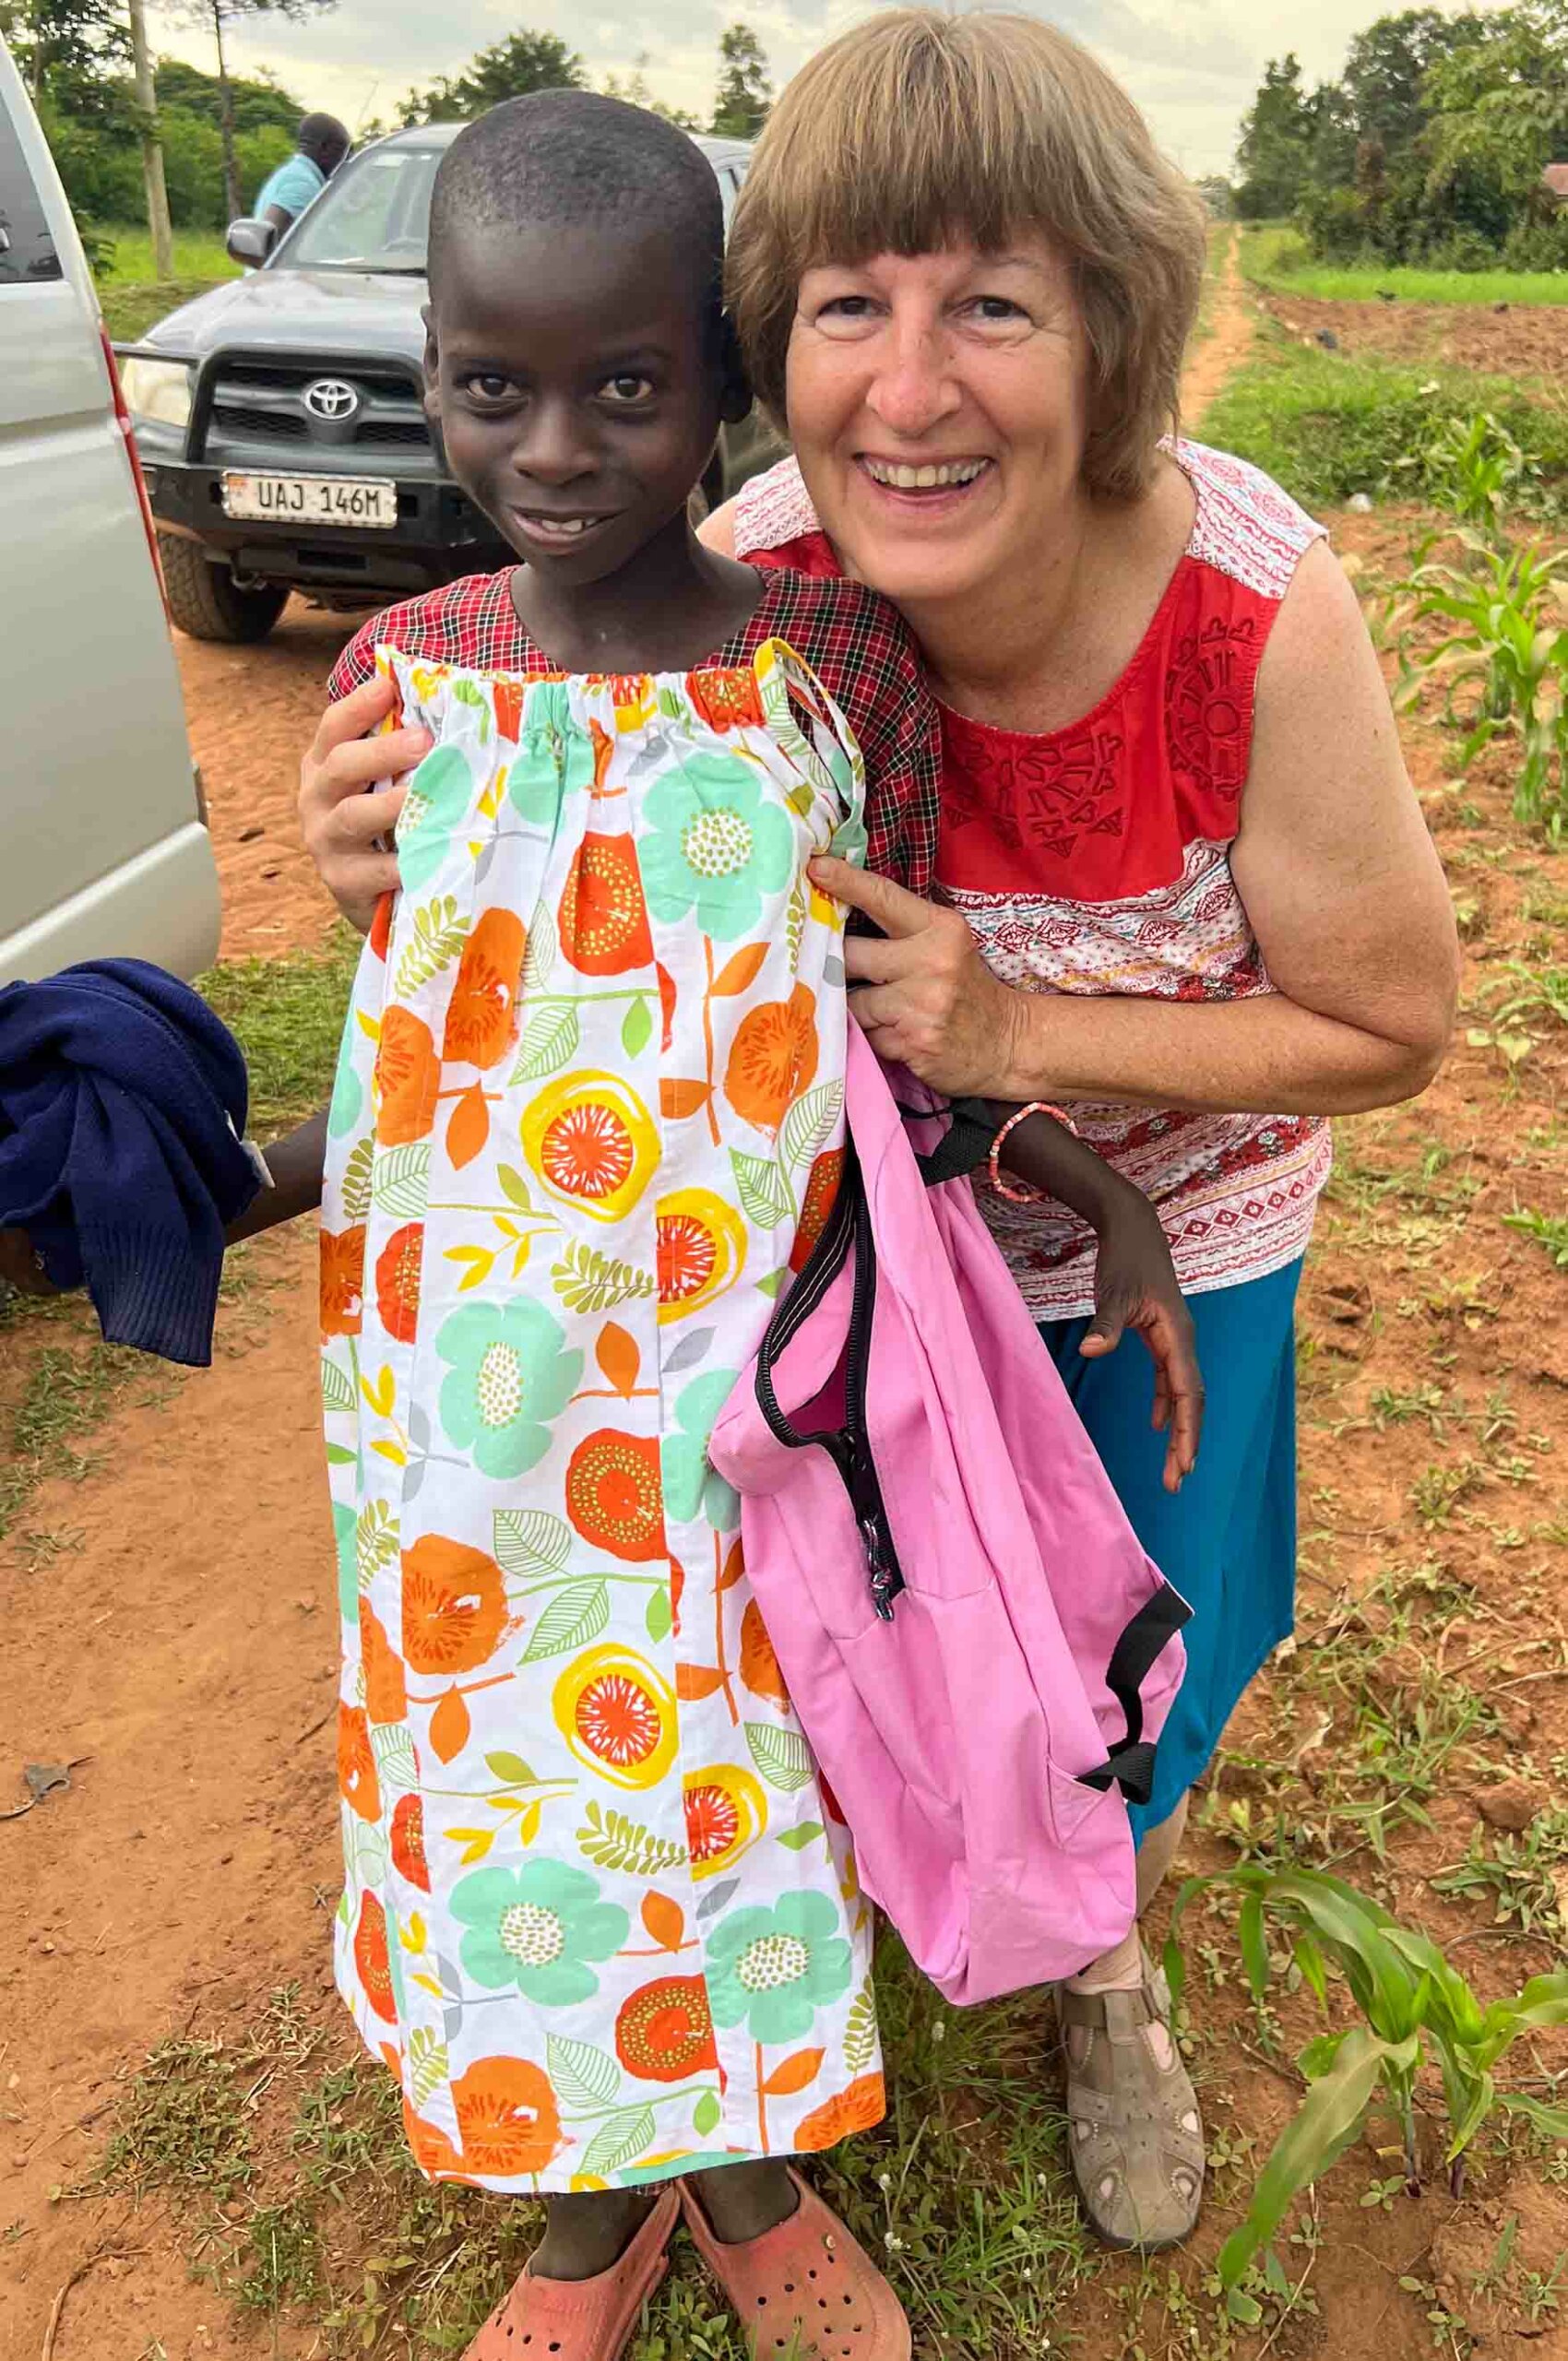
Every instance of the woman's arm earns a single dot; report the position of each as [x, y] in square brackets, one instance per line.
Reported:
[1340, 881]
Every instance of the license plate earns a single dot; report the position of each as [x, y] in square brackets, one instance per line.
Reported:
[312, 499]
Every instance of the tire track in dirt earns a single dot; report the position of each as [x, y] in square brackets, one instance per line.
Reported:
[1232, 326]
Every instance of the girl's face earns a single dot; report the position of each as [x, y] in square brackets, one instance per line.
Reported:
[937, 404]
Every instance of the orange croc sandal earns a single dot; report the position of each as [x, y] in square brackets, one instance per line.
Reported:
[806, 2289]
[580, 2319]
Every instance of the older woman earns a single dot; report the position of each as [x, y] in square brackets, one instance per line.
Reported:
[1184, 887]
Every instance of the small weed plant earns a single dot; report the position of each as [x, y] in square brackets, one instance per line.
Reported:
[1415, 2008]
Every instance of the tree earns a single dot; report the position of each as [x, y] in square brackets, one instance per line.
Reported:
[67, 49]
[1275, 148]
[1499, 106]
[1385, 72]
[745, 89]
[151, 147]
[218, 15]
[508, 69]
[634, 88]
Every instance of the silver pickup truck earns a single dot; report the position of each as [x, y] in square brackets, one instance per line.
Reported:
[280, 420]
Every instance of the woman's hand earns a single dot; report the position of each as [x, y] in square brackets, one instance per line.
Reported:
[1135, 1287]
[926, 999]
[346, 828]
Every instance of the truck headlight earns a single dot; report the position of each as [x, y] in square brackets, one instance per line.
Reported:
[159, 390]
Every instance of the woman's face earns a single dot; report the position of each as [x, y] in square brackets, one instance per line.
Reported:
[936, 403]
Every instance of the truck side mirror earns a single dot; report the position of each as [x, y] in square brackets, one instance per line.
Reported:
[251, 242]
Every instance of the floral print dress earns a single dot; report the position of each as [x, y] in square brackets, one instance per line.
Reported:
[600, 1918]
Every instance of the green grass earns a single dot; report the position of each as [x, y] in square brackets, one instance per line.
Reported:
[1275, 255]
[133, 298]
[1326, 425]
[287, 1015]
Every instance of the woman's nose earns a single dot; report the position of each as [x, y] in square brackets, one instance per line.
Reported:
[915, 386]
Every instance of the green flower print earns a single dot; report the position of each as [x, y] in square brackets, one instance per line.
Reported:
[693, 1488]
[345, 1530]
[554, 757]
[348, 1090]
[773, 1969]
[714, 846]
[508, 1378]
[440, 793]
[538, 1928]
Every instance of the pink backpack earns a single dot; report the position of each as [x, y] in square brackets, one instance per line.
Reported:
[976, 1646]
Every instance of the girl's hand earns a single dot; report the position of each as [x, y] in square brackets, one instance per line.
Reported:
[1136, 1287]
[347, 830]
[926, 999]
[20, 1268]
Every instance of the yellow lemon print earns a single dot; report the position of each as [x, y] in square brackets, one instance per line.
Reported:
[726, 1812]
[702, 1246]
[592, 1141]
[617, 1716]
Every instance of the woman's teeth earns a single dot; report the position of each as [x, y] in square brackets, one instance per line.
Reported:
[926, 478]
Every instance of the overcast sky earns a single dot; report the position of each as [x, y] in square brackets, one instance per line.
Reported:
[1192, 65]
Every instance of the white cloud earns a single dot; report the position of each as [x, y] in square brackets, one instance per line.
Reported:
[1193, 70]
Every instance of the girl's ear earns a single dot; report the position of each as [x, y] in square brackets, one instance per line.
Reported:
[735, 396]
[432, 365]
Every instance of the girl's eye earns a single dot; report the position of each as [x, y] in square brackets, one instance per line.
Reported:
[487, 386]
[628, 388]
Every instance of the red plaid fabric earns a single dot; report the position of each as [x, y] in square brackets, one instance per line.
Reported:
[854, 642]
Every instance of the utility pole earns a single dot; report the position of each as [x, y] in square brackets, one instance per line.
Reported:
[151, 146]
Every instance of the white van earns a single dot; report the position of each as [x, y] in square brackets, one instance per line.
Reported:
[103, 848]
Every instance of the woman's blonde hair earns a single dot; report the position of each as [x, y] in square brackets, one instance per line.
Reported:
[920, 129]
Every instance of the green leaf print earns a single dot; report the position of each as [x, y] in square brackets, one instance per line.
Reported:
[469, 693]
[356, 1180]
[706, 2115]
[336, 1387]
[427, 2063]
[637, 1030]
[530, 1542]
[762, 1189]
[860, 2031]
[538, 961]
[795, 922]
[584, 2076]
[660, 1616]
[514, 1188]
[511, 1769]
[338, 1457]
[376, 1541]
[438, 936]
[586, 1280]
[395, 1766]
[796, 1839]
[810, 1123]
[616, 2142]
[401, 1183]
[782, 1756]
[612, 1842]
[573, 1618]
[550, 1040]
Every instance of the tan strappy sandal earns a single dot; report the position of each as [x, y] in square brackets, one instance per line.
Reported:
[1134, 2130]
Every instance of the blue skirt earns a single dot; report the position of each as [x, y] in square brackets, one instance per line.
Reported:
[1227, 1538]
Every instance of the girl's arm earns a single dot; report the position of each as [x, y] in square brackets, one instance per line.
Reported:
[1136, 1285]
[295, 1162]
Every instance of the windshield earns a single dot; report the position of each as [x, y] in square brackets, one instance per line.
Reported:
[373, 215]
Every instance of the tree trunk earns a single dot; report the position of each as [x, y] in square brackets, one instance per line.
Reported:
[226, 119]
[151, 147]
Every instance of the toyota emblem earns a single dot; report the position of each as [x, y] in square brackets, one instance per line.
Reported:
[332, 399]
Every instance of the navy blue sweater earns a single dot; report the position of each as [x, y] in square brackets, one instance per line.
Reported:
[121, 1112]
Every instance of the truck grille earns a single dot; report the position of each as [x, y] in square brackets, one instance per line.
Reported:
[257, 400]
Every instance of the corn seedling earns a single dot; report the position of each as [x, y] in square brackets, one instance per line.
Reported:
[1503, 658]
[1550, 1231]
[1414, 2006]
[1474, 466]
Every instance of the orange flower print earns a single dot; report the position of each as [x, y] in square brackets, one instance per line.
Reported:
[603, 754]
[822, 1191]
[408, 1842]
[381, 925]
[372, 1961]
[509, 708]
[357, 1782]
[342, 1281]
[507, 2119]
[430, 2149]
[759, 1665]
[666, 1004]
[603, 922]
[773, 1059]
[665, 2032]
[385, 1697]
[407, 1077]
[860, 2108]
[614, 1496]
[454, 1607]
[727, 699]
[481, 1015]
[397, 1282]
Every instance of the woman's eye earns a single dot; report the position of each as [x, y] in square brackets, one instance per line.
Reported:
[996, 309]
[628, 387]
[847, 307]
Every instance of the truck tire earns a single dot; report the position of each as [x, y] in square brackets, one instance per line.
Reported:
[206, 600]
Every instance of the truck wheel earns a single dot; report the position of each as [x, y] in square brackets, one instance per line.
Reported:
[206, 600]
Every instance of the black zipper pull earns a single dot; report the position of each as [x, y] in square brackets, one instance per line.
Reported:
[877, 1535]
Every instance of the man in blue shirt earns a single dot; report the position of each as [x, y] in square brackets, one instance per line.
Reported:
[320, 146]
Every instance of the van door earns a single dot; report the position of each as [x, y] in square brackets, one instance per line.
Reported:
[105, 851]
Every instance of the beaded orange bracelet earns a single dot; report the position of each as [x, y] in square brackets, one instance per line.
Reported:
[1024, 1196]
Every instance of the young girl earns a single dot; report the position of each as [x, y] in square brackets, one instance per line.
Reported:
[601, 1917]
